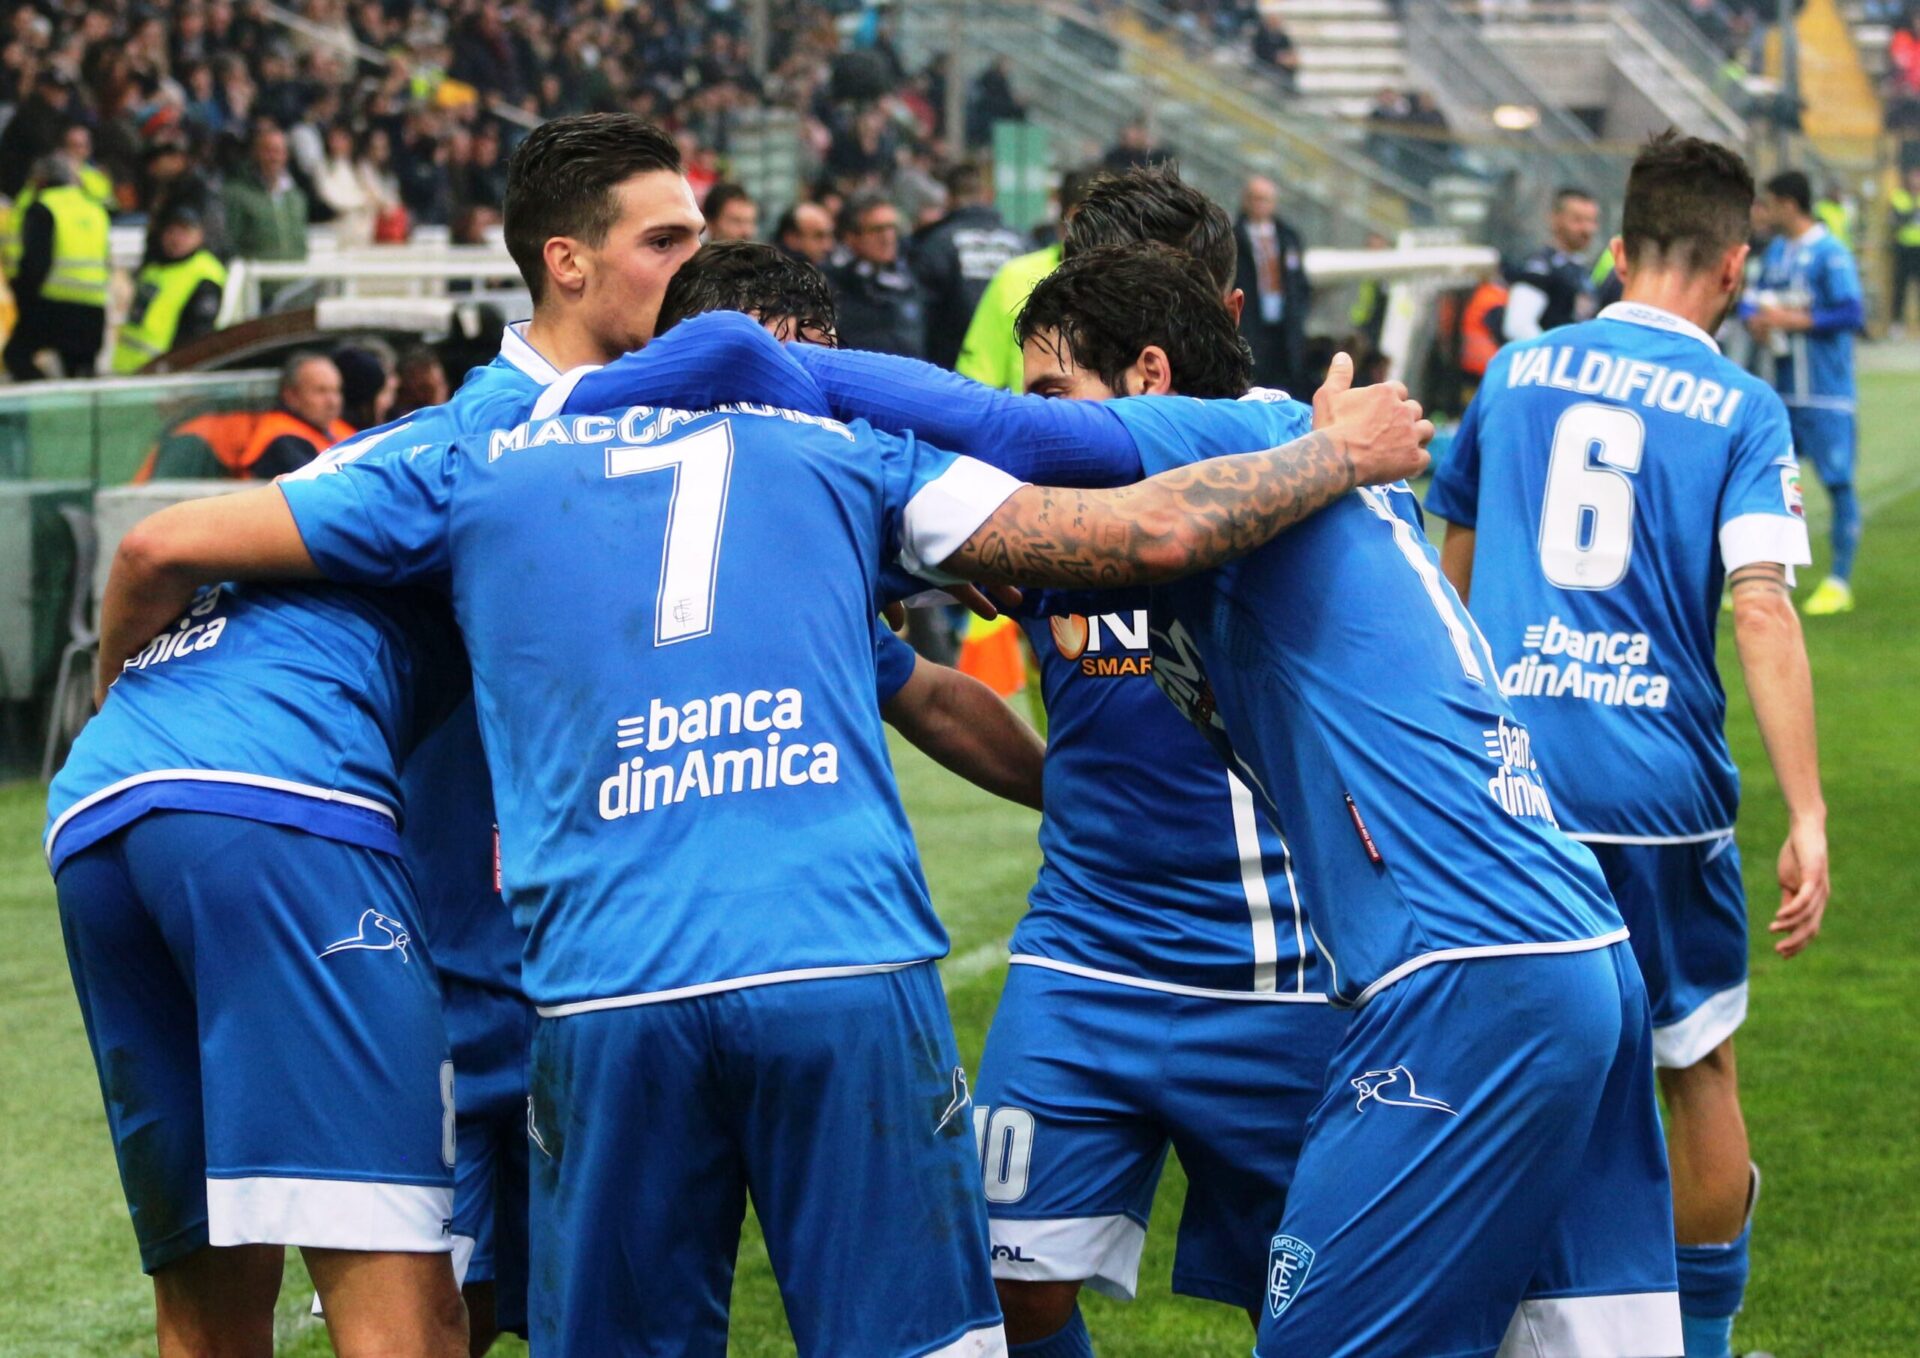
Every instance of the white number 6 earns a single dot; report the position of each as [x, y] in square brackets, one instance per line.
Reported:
[1586, 522]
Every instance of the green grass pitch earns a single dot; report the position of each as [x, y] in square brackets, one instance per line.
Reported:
[1830, 1057]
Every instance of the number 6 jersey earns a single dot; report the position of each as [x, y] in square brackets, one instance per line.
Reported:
[1614, 472]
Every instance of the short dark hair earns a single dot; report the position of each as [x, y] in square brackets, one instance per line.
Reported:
[1571, 193]
[1153, 203]
[761, 280]
[1109, 302]
[1793, 184]
[964, 180]
[561, 182]
[721, 196]
[856, 206]
[1688, 202]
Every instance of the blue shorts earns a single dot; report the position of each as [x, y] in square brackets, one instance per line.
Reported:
[1485, 1174]
[1827, 439]
[268, 1036]
[839, 1104]
[491, 1031]
[1687, 908]
[1085, 1084]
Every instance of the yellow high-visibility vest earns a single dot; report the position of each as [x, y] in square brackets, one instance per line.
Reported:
[1906, 209]
[10, 240]
[161, 293]
[80, 249]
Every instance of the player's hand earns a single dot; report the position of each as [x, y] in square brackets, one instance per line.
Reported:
[1383, 430]
[1804, 887]
[987, 603]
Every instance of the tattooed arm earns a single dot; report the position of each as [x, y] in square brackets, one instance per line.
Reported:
[1773, 657]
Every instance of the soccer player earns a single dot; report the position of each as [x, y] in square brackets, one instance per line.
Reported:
[253, 973]
[1553, 287]
[1164, 989]
[1804, 310]
[1489, 1114]
[730, 939]
[1605, 482]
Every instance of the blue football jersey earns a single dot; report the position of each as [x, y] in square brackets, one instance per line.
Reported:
[693, 783]
[1340, 677]
[1156, 863]
[291, 705]
[1614, 471]
[1816, 272]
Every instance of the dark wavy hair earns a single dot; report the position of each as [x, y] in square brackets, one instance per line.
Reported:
[1108, 303]
[1153, 203]
[762, 280]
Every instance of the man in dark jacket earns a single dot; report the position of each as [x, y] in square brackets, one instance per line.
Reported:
[1272, 272]
[880, 304]
[36, 129]
[956, 257]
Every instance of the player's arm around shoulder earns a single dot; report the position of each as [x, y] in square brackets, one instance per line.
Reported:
[1194, 517]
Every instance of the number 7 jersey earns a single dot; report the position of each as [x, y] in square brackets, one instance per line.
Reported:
[1614, 472]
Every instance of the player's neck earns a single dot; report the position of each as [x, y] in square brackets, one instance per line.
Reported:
[564, 342]
[1691, 297]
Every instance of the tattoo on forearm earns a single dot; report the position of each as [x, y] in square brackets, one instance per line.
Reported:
[1761, 578]
[1173, 524]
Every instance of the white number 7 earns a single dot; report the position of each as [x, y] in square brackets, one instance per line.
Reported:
[702, 465]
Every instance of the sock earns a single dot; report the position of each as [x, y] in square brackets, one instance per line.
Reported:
[1846, 529]
[1713, 1281]
[1069, 1341]
[1707, 1338]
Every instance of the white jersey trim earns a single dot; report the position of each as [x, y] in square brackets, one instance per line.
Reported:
[947, 511]
[718, 987]
[1713, 1021]
[1622, 1325]
[1413, 964]
[1166, 987]
[522, 355]
[332, 1214]
[1777, 538]
[1103, 1252]
[557, 392]
[1704, 837]
[260, 780]
[989, 1341]
[1657, 318]
[1253, 885]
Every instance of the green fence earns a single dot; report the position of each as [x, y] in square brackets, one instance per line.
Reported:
[59, 443]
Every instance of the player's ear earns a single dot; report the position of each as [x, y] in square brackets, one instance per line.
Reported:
[1235, 300]
[1733, 268]
[566, 264]
[1618, 247]
[1151, 373]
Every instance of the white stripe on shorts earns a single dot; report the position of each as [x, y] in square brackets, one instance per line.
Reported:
[1686, 1043]
[1624, 1325]
[332, 1214]
[1104, 1251]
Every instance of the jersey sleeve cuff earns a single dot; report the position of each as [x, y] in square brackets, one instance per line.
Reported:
[1444, 501]
[1777, 538]
[947, 511]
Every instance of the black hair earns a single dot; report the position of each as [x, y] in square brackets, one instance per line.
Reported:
[720, 197]
[1688, 202]
[1073, 187]
[964, 180]
[762, 280]
[855, 207]
[1571, 193]
[1792, 184]
[1108, 303]
[561, 182]
[1153, 203]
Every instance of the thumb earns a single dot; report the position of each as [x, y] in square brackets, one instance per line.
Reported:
[1339, 379]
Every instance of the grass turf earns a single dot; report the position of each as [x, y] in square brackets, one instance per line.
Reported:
[1828, 1056]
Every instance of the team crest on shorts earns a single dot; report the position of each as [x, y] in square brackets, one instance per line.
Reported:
[1288, 1261]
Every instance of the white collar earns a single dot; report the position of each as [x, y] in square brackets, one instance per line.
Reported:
[522, 355]
[1657, 318]
[1811, 234]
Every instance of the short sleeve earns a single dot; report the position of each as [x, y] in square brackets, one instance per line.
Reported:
[1454, 493]
[1761, 516]
[381, 519]
[937, 501]
[1839, 278]
[893, 662]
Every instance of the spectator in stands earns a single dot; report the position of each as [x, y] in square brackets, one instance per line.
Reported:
[1553, 288]
[422, 381]
[877, 296]
[730, 213]
[1272, 274]
[345, 190]
[36, 128]
[1273, 48]
[369, 382]
[176, 294]
[266, 212]
[1903, 75]
[990, 101]
[1135, 147]
[96, 183]
[805, 231]
[304, 424]
[61, 287]
[957, 256]
[1905, 202]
